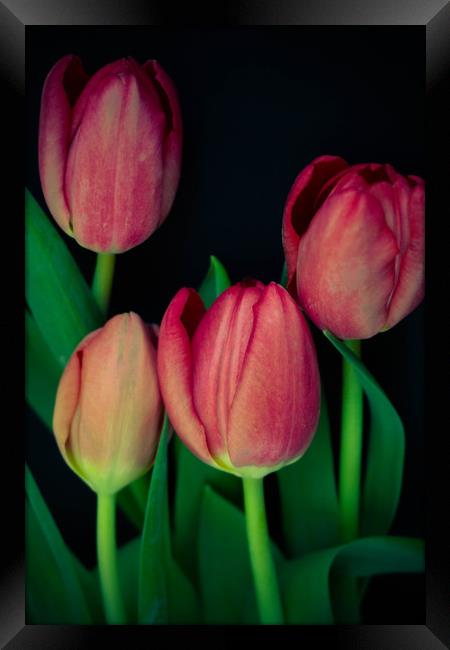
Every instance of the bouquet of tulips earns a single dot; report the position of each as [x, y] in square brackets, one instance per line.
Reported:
[229, 379]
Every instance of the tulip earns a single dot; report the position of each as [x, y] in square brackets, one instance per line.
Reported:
[240, 381]
[108, 408]
[109, 151]
[353, 237]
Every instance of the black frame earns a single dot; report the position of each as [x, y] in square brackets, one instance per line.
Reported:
[13, 22]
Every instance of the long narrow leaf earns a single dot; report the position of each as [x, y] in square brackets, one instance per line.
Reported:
[57, 294]
[42, 372]
[153, 599]
[383, 480]
[191, 474]
[309, 504]
[306, 580]
[56, 556]
[227, 589]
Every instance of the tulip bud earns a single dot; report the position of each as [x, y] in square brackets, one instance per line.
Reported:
[354, 244]
[109, 151]
[240, 381]
[108, 409]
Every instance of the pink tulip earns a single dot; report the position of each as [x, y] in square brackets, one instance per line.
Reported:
[109, 151]
[354, 244]
[108, 409]
[240, 381]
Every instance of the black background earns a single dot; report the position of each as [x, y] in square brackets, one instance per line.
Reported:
[258, 104]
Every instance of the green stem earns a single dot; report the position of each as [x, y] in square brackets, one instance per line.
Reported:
[264, 573]
[107, 558]
[103, 278]
[351, 448]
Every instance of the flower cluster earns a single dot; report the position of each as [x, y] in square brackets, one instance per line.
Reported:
[239, 380]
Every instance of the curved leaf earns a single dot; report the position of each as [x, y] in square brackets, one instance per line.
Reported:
[153, 597]
[383, 480]
[57, 294]
[54, 590]
[192, 474]
[309, 504]
[227, 590]
[215, 281]
[42, 372]
[306, 580]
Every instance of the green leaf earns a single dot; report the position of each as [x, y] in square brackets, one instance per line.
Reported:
[309, 504]
[284, 276]
[57, 294]
[54, 591]
[153, 597]
[383, 480]
[42, 372]
[214, 283]
[227, 589]
[306, 580]
[191, 477]
[192, 474]
[133, 500]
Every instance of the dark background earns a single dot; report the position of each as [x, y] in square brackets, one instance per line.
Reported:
[258, 105]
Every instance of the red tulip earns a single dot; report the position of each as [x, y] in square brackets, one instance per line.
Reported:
[240, 381]
[354, 244]
[108, 409]
[109, 151]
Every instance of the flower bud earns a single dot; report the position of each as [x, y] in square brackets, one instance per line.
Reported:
[240, 381]
[109, 151]
[354, 244]
[108, 409]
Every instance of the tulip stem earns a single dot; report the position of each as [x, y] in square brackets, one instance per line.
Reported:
[263, 566]
[107, 559]
[351, 448]
[103, 279]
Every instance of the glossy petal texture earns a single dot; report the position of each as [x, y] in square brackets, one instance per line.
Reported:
[108, 407]
[175, 370]
[240, 382]
[61, 88]
[358, 246]
[114, 164]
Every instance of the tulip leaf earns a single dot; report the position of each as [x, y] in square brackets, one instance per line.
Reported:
[214, 283]
[133, 500]
[284, 276]
[309, 504]
[227, 590]
[381, 489]
[191, 477]
[155, 542]
[306, 580]
[54, 589]
[192, 474]
[58, 296]
[42, 372]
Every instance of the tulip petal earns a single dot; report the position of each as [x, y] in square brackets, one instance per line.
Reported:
[174, 133]
[67, 398]
[410, 287]
[176, 373]
[114, 170]
[300, 204]
[118, 417]
[275, 410]
[61, 88]
[346, 266]
[218, 349]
